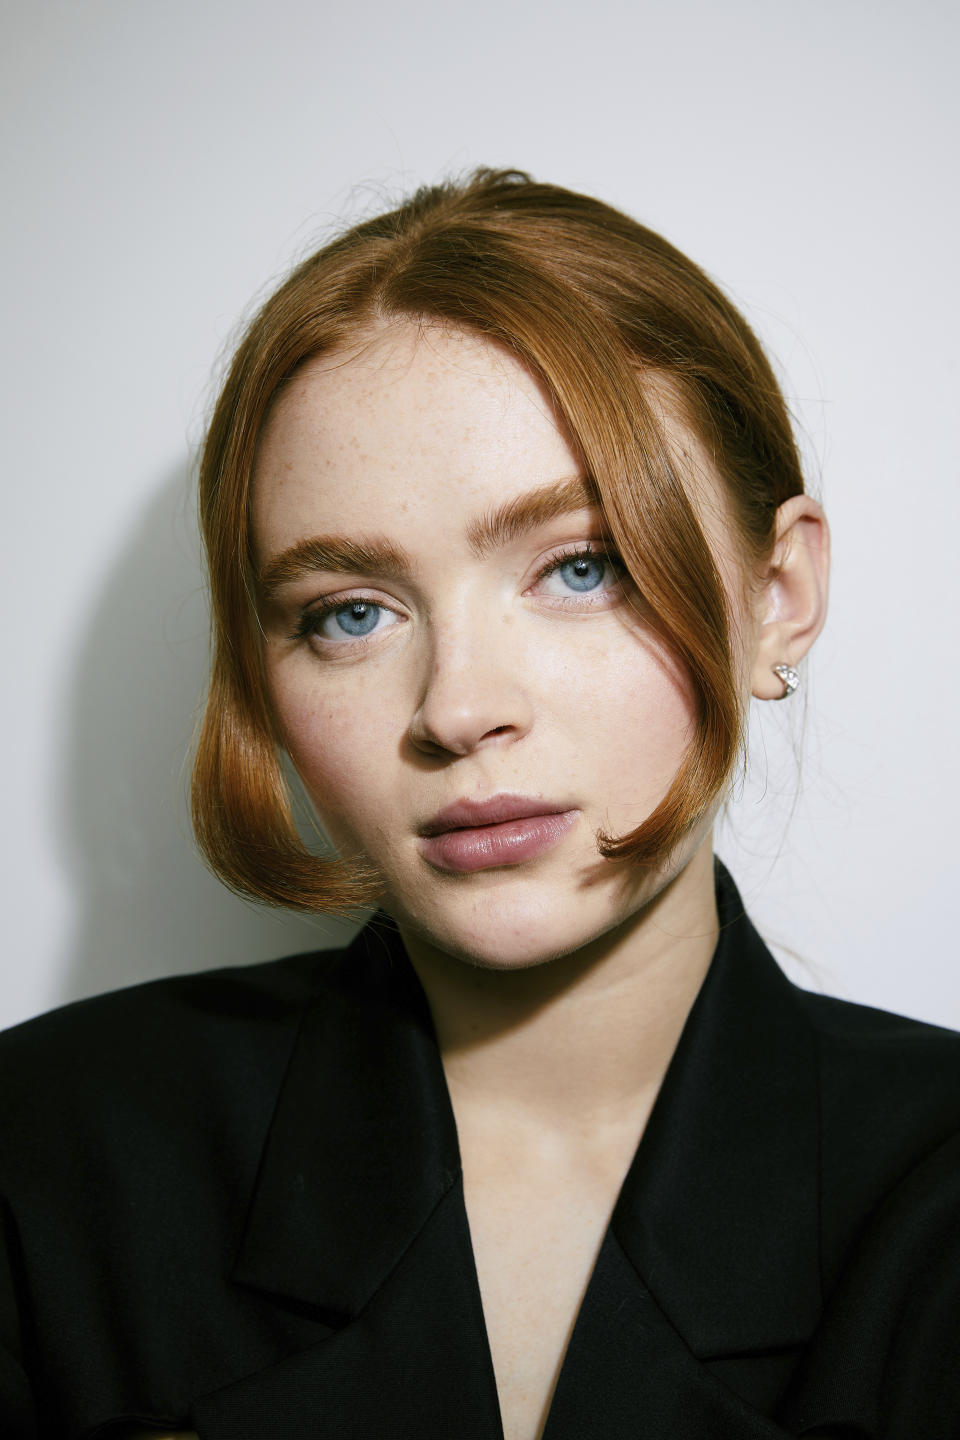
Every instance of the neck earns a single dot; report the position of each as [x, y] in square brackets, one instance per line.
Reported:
[578, 1045]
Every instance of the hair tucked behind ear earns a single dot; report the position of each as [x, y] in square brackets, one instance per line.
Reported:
[609, 316]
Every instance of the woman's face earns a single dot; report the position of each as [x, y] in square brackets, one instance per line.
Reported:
[446, 627]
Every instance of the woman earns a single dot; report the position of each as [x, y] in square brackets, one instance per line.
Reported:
[505, 525]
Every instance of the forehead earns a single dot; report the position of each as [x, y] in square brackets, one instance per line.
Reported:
[433, 379]
[416, 430]
[414, 421]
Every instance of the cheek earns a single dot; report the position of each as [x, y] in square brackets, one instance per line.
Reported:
[344, 751]
[646, 724]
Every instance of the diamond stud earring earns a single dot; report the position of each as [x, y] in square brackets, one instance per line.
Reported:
[790, 678]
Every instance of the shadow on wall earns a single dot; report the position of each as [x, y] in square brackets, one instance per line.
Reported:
[145, 904]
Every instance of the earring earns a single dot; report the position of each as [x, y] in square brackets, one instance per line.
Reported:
[790, 678]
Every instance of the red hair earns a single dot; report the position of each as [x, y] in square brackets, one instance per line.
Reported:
[606, 313]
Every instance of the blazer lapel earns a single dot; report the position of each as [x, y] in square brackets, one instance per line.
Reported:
[414, 1364]
[712, 1254]
[363, 1145]
[629, 1373]
[358, 1216]
[720, 1210]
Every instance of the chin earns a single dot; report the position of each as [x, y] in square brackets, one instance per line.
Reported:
[491, 930]
[521, 952]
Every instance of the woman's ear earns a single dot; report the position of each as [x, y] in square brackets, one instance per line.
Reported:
[792, 599]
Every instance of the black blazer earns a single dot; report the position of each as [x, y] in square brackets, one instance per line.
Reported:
[233, 1202]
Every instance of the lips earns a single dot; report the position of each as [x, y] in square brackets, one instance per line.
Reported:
[504, 830]
[467, 814]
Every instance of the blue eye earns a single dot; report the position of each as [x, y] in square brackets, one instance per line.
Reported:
[339, 623]
[583, 572]
[357, 618]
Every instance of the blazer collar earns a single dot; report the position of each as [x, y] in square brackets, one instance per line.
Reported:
[717, 1215]
[363, 1144]
[719, 1212]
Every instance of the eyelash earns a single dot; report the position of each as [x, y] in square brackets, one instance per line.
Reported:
[583, 551]
[310, 620]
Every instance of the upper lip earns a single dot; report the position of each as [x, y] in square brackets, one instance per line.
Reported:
[465, 814]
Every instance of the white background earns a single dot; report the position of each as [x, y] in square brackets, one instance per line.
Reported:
[163, 161]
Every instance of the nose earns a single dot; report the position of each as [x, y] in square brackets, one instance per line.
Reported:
[474, 696]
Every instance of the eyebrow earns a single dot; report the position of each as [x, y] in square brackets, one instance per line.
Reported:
[375, 554]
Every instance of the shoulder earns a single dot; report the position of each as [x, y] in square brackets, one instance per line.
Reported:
[141, 1060]
[884, 1358]
[203, 1001]
[865, 1031]
[889, 1122]
[881, 1077]
[876, 1065]
[132, 1131]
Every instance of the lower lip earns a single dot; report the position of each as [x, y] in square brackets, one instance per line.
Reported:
[486, 846]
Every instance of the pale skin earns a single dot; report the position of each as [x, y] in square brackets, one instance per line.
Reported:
[558, 986]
